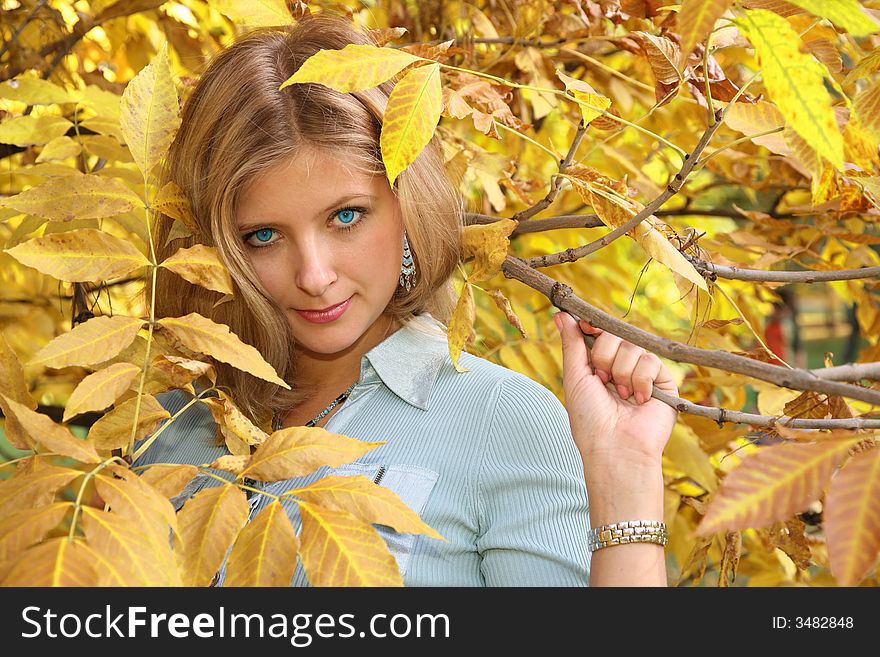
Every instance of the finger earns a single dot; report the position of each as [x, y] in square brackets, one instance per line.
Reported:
[602, 354]
[575, 355]
[645, 373]
[664, 380]
[588, 328]
[622, 368]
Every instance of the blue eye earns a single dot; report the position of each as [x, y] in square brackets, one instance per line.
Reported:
[349, 218]
[260, 238]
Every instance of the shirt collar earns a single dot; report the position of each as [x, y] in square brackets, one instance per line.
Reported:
[409, 360]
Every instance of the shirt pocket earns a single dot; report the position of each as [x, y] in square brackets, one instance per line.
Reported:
[411, 483]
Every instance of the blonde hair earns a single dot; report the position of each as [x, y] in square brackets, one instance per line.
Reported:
[235, 125]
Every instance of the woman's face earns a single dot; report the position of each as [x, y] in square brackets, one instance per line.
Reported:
[320, 234]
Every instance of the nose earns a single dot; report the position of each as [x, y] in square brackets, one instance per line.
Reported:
[314, 268]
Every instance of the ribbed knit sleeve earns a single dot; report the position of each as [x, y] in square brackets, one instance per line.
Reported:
[531, 496]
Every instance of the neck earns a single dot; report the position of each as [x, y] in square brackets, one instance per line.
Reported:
[328, 375]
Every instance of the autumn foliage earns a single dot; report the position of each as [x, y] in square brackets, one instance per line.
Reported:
[734, 144]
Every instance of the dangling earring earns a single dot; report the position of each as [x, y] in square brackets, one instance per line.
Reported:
[407, 267]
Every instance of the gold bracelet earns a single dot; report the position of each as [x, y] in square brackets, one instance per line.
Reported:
[630, 531]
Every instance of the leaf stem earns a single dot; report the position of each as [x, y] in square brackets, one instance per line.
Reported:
[555, 156]
[82, 488]
[702, 162]
[146, 445]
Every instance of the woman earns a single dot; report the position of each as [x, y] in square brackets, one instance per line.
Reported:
[342, 285]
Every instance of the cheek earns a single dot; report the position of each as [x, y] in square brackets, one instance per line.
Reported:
[270, 275]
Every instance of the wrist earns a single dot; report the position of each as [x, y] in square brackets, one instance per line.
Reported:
[632, 495]
[620, 466]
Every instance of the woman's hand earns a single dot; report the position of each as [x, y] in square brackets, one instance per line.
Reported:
[608, 396]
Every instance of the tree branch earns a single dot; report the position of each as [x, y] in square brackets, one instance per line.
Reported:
[722, 415]
[563, 297]
[739, 274]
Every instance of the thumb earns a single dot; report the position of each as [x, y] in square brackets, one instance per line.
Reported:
[575, 355]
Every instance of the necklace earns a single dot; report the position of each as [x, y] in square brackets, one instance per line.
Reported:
[276, 424]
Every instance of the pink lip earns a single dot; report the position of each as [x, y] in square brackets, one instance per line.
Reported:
[326, 315]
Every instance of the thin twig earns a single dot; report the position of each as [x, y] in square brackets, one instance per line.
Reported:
[557, 180]
[722, 415]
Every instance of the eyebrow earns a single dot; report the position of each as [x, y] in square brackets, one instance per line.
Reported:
[249, 225]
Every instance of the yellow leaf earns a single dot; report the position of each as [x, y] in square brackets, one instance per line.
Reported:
[174, 372]
[488, 244]
[592, 104]
[34, 91]
[730, 558]
[852, 518]
[56, 562]
[59, 148]
[99, 390]
[13, 386]
[131, 496]
[171, 200]
[753, 118]
[411, 116]
[845, 14]
[209, 523]
[106, 147]
[122, 542]
[366, 501]
[460, 325]
[201, 265]
[52, 437]
[94, 341]
[78, 196]
[227, 415]
[663, 56]
[150, 114]
[864, 68]
[105, 104]
[808, 404]
[298, 451]
[504, 305]
[684, 451]
[33, 489]
[80, 255]
[231, 463]
[790, 537]
[340, 550]
[695, 21]
[353, 68]
[265, 551]
[254, 13]
[201, 335]
[30, 130]
[867, 106]
[22, 529]
[794, 81]
[106, 127]
[169, 480]
[114, 429]
[773, 484]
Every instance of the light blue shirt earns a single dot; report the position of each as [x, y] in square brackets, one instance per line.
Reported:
[486, 458]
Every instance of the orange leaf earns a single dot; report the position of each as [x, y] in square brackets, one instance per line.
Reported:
[852, 518]
[773, 484]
